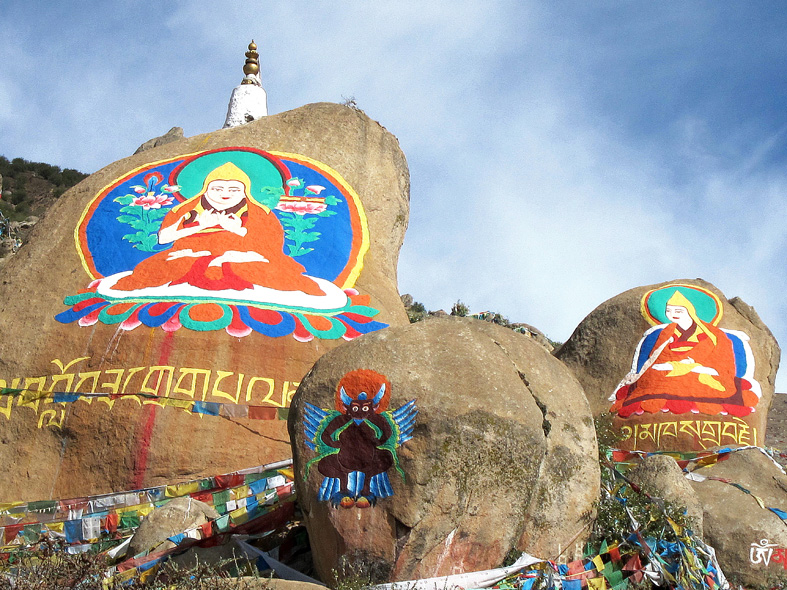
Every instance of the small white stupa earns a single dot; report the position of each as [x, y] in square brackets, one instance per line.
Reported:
[249, 100]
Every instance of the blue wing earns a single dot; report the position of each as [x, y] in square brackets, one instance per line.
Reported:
[404, 418]
[314, 421]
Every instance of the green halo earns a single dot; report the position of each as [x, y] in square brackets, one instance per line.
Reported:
[705, 303]
[260, 170]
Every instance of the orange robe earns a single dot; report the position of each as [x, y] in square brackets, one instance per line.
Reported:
[682, 390]
[264, 236]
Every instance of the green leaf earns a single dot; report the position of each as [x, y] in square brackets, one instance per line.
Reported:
[157, 213]
[127, 218]
[132, 210]
[124, 200]
[332, 200]
[133, 238]
[150, 242]
[327, 213]
[310, 236]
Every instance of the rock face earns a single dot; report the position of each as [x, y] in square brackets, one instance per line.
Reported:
[750, 541]
[173, 518]
[497, 452]
[700, 379]
[660, 476]
[173, 298]
[174, 134]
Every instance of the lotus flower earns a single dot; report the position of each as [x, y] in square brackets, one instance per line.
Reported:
[294, 182]
[152, 201]
[301, 207]
[170, 188]
[315, 189]
[139, 189]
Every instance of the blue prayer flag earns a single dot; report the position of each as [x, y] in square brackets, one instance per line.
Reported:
[210, 408]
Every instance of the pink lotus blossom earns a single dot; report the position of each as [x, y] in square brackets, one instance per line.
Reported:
[302, 207]
[139, 189]
[152, 201]
[294, 182]
[315, 189]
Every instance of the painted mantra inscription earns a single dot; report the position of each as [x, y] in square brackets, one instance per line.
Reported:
[707, 433]
[764, 552]
[160, 380]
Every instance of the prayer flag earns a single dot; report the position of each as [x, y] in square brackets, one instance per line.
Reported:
[74, 531]
[262, 413]
[210, 408]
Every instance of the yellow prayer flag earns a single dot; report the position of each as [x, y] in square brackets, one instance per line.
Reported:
[240, 492]
[239, 516]
[597, 583]
[147, 574]
[145, 509]
[598, 562]
[180, 403]
[184, 489]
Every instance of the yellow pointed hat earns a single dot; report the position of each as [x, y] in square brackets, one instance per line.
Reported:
[679, 299]
[228, 171]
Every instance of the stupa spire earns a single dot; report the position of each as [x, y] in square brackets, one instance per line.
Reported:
[249, 100]
[252, 65]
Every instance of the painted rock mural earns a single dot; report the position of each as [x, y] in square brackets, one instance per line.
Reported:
[396, 437]
[700, 373]
[356, 443]
[161, 317]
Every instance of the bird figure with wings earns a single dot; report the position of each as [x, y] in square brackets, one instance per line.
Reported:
[356, 443]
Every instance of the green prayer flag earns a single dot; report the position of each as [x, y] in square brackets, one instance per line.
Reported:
[129, 520]
[42, 506]
[613, 576]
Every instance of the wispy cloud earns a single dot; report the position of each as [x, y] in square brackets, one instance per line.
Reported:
[560, 153]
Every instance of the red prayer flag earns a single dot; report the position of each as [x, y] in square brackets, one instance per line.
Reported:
[206, 497]
[634, 564]
[229, 481]
[11, 531]
[112, 522]
[262, 413]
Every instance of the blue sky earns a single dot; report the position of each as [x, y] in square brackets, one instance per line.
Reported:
[560, 152]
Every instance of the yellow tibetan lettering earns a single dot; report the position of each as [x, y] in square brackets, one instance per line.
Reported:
[191, 389]
[216, 392]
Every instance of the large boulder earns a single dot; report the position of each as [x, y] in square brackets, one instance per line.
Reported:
[705, 384]
[502, 456]
[225, 317]
[750, 540]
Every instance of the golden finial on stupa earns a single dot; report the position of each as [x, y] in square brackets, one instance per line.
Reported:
[252, 66]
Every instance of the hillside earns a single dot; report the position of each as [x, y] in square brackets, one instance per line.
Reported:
[27, 190]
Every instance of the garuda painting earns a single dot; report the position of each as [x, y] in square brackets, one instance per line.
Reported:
[356, 444]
